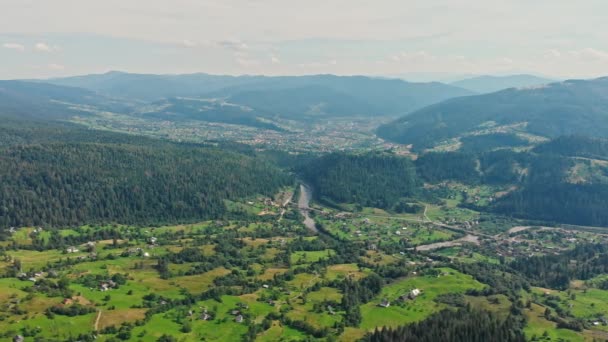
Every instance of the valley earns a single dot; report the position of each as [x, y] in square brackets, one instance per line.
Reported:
[183, 218]
[272, 275]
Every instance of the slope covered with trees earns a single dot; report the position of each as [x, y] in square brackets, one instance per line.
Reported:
[565, 108]
[463, 325]
[371, 180]
[575, 146]
[123, 179]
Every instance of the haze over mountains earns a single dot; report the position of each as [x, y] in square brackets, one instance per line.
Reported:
[245, 100]
[382, 96]
[489, 84]
[35, 100]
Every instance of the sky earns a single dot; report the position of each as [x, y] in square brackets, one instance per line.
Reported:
[417, 40]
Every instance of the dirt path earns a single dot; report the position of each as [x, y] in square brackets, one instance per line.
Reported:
[309, 284]
[284, 206]
[97, 320]
[424, 214]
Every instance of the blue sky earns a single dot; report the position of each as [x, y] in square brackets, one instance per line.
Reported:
[439, 39]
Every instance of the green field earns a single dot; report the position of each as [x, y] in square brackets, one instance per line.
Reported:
[423, 306]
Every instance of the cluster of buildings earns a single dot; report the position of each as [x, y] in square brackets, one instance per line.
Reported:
[412, 295]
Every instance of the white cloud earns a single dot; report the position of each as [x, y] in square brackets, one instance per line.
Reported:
[188, 43]
[553, 53]
[235, 45]
[247, 62]
[538, 36]
[594, 54]
[56, 67]
[13, 46]
[318, 65]
[42, 47]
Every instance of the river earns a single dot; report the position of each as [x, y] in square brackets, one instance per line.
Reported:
[303, 206]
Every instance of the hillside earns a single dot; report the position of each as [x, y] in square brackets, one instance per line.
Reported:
[192, 109]
[82, 176]
[33, 100]
[369, 180]
[489, 84]
[564, 108]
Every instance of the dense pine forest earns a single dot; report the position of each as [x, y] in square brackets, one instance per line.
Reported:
[123, 179]
[551, 183]
[370, 180]
[463, 325]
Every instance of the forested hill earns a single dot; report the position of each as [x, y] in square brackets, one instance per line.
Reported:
[463, 325]
[374, 180]
[576, 146]
[556, 186]
[564, 108]
[74, 183]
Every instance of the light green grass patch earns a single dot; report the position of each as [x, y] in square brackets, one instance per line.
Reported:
[420, 308]
[308, 257]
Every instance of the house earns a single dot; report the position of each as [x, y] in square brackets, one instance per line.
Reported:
[330, 309]
[414, 293]
[265, 286]
[239, 319]
[385, 303]
[72, 249]
[235, 312]
[205, 316]
[135, 251]
[18, 338]
[107, 285]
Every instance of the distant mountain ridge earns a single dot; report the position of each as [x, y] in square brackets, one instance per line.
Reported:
[489, 84]
[562, 108]
[374, 96]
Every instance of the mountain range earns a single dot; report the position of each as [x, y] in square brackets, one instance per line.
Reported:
[489, 84]
[244, 100]
[299, 93]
